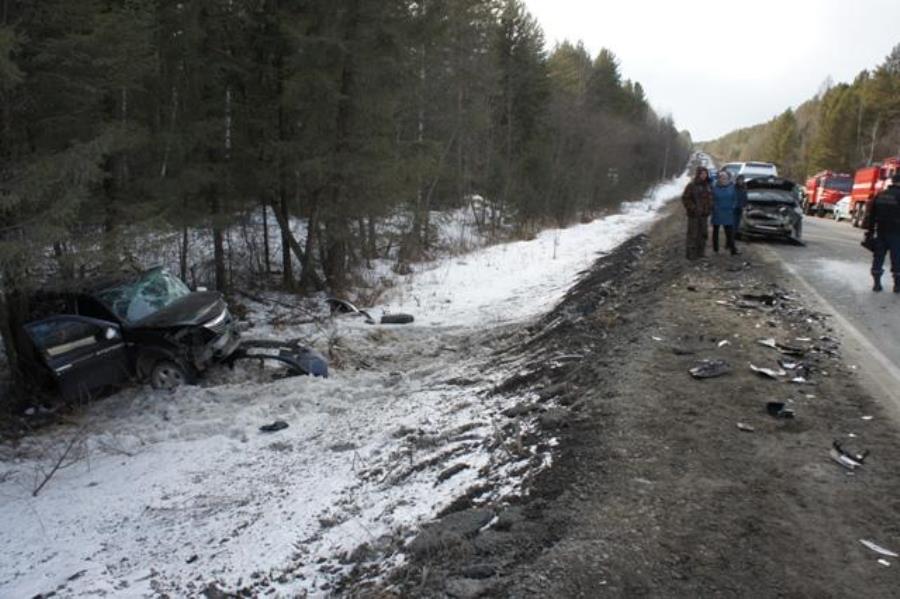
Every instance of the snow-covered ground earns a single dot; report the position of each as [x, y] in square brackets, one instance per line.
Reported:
[512, 281]
[164, 493]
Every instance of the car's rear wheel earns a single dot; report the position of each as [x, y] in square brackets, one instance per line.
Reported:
[168, 375]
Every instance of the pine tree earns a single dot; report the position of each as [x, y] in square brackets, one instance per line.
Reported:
[784, 144]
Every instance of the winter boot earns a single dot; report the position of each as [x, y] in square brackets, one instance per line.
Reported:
[896, 284]
[877, 286]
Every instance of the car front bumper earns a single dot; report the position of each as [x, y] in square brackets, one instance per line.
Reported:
[774, 225]
[217, 350]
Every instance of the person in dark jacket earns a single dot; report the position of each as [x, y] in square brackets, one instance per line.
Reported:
[698, 200]
[740, 186]
[883, 233]
[724, 212]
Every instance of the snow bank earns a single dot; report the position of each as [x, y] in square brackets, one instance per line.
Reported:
[512, 281]
[165, 493]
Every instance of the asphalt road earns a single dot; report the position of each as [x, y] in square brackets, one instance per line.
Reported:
[836, 268]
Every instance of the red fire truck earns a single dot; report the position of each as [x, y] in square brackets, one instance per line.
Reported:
[868, 183]
[824, 190]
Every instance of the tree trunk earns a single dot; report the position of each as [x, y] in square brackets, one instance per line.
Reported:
[265, 222]
[363, 240]
[283, 216]
[372, 237]
[173, 117]
[293, 247]
[308, 277]
[13, 314]
[219, 246]
[183, 254]
[287, 264]
[336, 229]
[460, 176]
[413, 244]
[218, 230]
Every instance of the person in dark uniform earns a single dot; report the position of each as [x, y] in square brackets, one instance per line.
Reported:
[698, 203]
[883, 233]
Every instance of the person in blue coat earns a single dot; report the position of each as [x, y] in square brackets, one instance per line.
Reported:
[725, 205]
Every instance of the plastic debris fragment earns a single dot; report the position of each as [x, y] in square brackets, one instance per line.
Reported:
[879, 549]
[768, 372]
[779, 409]
[708, 369]
[276, 426]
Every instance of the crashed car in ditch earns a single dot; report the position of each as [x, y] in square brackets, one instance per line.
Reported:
[773, 210]
[146, 327]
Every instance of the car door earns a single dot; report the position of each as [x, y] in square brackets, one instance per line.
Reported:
[83, 354]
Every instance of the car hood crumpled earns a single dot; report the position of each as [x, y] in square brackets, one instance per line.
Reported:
[191, 310]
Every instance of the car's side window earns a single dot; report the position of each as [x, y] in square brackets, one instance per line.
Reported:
[61, 336]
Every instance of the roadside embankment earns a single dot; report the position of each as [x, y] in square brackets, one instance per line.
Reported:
[667, 485]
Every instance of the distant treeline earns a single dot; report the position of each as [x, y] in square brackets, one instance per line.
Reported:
[128, 116]
[842, 128]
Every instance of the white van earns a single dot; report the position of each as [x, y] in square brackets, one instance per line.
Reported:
[758, 170]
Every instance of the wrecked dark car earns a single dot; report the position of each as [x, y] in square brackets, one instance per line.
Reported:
[149, 327]
[773, 210]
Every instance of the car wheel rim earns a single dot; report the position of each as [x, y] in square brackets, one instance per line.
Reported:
[169, 377]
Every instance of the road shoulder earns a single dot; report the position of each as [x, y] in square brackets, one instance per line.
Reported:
[655, 490]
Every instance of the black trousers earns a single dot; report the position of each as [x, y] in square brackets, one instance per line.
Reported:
[884, 245]
[729, 238]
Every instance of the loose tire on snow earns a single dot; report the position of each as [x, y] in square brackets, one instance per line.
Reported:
[397, 319]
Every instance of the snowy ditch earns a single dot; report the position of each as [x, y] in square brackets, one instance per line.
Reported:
[165, 493]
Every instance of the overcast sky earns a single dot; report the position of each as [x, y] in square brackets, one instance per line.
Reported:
[717, 66]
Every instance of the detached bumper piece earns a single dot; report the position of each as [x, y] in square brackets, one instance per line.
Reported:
[299, 359]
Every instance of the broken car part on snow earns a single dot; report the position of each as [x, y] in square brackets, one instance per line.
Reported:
[340, 306]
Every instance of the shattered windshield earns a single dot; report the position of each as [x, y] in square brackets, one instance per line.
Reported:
[153, 292]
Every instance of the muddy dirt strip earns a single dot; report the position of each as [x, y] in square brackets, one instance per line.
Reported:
[669, 485]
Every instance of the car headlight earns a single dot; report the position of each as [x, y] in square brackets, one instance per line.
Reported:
[217, 322]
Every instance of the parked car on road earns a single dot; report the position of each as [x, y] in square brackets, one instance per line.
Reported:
[150, 326]
[842, 210]
[773, 210]
[756, 170]
[733, 169]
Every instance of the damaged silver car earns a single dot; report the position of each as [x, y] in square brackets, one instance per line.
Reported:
[773, 210]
